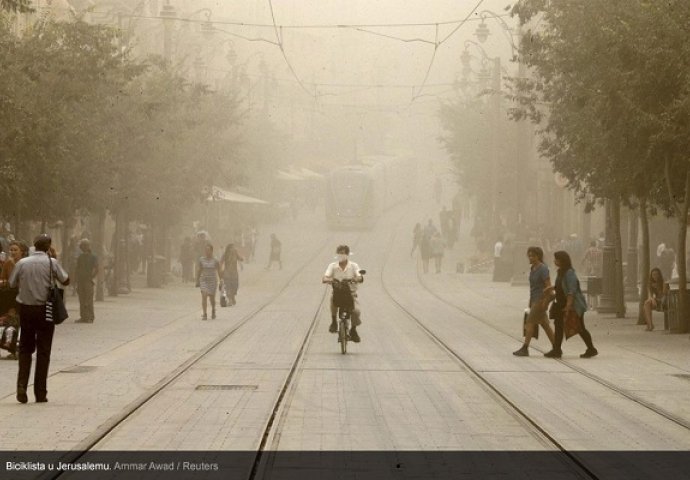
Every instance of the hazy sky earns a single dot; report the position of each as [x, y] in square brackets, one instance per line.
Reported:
[347, 56]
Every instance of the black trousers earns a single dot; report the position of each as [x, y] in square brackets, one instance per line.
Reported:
[37, 335]
[559, 323]
[85, 291]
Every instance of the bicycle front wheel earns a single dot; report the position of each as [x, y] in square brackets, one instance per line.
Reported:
[342, 336]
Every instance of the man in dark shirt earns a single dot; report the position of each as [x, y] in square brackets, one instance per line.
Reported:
[87, 269]
[274, 256]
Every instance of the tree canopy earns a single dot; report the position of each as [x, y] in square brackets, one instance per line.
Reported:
[82, 126]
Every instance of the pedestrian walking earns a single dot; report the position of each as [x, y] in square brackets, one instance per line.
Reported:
[32, 275]
[425, 251]
[656, 297]
[187, 260]
[593, 263]
[430, 229]
[9, 316]
[85, 275]
[416, 237]
[229, 262]
[437, 246]
[540, 296]
[274, 255]
[208, 273]
[498, 264]
[569, 298]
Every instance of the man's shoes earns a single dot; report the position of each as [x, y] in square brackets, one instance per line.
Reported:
[553, 354]
[42, 400]
[213, 315]
[204, 317]
[591, 352]
[21, 395]
[81, 320]
[333, 328]
[523, 352]
[353, 335]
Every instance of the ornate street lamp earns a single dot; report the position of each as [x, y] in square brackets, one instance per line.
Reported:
[482, 32]
[207, 28]
[168, 14]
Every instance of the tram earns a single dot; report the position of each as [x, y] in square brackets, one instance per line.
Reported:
[356, 195]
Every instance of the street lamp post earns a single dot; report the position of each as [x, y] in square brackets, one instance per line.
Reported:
[482, 33]
[489, 77]
[168, 14]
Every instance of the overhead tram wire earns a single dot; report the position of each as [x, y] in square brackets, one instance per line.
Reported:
[249, 39]
[438, 44]
[428, 70]
[393, 37]
[307, 26]
[467, 18]
[279, 37]
[358, 27]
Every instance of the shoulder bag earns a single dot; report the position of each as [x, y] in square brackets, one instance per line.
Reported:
[572, 324]
[55, 305]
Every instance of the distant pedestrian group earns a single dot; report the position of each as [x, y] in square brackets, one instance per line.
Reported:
[430, 244]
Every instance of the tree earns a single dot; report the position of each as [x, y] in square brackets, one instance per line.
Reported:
[613, 93]
[480, 147]
[21, 6]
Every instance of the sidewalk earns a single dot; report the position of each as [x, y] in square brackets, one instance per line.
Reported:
[654, 367]
[98, 370]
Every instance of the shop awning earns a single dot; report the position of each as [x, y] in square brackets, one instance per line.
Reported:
[291, 176]
[310, 173]
[218, 193]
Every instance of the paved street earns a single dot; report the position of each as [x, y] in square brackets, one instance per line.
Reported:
[150, 375]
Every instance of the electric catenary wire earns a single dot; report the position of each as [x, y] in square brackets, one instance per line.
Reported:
[279, 37]
[306, 26]
[438, 44]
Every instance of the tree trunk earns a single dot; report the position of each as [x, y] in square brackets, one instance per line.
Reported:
[631, 291]
[681, 254]
[65, 254]
[619, 289]
[681, 211]
[116, 251]
[680, 265]
[99, 248]
[644, 261]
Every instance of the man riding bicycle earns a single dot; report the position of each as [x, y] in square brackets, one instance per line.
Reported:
[344, 269]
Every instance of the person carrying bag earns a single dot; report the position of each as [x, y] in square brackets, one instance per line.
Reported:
[40, 307]
[55, 304]
[569, 308]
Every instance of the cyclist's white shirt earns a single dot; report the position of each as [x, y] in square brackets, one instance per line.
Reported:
[349, 272]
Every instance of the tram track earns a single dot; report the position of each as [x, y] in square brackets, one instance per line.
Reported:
[574, 462]
[601, 381]
[87, 445]
[269, 436]
[281, 403]
[265, 457]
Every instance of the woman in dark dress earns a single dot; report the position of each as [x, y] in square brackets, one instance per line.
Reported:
[569, 298]
[230, 275]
